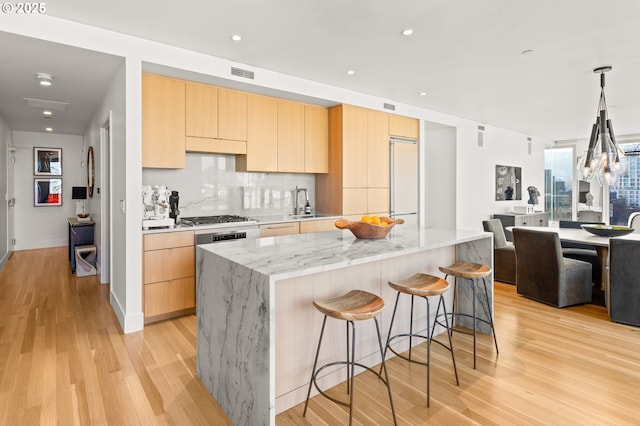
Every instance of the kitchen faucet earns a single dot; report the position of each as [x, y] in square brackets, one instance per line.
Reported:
[297, 208]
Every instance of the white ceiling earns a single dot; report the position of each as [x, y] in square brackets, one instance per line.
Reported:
[465, 54]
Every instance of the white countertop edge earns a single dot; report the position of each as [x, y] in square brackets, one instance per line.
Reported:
[292, 271]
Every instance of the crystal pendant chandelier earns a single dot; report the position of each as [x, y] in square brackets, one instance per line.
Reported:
[604, 161]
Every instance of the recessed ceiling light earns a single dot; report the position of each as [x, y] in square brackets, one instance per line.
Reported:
[44, 78]
[47, 113]
[423, 93]
[407, 32]
[350, 72]
[49, 129]
[236, 37]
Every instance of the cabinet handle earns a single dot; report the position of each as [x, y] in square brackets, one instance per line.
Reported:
[280, 226]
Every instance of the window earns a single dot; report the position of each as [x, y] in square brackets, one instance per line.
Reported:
[625, 195]
[558, 183]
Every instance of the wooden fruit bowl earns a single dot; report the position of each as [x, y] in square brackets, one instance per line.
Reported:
[366, 230]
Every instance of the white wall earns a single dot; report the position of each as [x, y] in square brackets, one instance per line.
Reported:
[7, 166]
[475, 167]
[40, 227]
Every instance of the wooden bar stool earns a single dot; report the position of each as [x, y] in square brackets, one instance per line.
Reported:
[425, 286]
[356, 305]
[473, 272]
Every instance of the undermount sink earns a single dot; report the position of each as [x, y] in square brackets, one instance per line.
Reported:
[306, 216]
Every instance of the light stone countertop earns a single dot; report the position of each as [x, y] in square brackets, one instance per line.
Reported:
[303, 254]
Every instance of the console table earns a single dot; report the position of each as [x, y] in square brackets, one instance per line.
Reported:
[80, 234]
[521, 219]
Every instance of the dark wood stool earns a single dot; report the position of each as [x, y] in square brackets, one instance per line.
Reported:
[425, 286]
[474, 272]
[357, 305]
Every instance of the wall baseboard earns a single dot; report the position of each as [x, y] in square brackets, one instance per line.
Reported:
[128, 323]
[4, 260]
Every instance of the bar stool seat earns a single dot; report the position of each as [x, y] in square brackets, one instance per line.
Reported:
[356, 305]
[474, 272]
[421, 285]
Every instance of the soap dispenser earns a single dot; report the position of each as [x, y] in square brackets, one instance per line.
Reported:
[307, 208]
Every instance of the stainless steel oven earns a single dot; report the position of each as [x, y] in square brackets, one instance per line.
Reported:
[217, 229]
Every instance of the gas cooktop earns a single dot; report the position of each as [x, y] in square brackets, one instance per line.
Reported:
[210, 220]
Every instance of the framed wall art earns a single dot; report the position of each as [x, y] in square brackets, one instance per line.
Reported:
[47, 161]
[508, 185]
[47, 192]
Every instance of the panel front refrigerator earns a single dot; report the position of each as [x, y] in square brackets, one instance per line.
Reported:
[404, 180]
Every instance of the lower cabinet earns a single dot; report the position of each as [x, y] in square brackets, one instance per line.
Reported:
[168, 275]
[277, 229]
[320, 225]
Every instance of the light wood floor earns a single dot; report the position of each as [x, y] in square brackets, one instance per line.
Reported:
[64, 360]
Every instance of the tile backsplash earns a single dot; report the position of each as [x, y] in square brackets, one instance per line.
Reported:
[209, 185]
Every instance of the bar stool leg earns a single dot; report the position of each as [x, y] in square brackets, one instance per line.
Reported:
[474, 323]
[353, 367]
[393, 317]
[315, 363]
[386, 376]
[429, 336]
[446, 322]
[493, 330]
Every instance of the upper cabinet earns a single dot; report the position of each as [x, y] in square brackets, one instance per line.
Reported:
[267, 134]
[285, 136]
[405, 127]
[163, 122]
[216, 119]
[316, 139]
[262, 135]
[290, 136]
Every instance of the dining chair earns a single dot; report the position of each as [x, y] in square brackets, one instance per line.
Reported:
[504, 253]
[624, 281]
[580, 251]
[634, 221]
[543, 274]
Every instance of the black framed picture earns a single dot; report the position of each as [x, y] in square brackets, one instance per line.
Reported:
[47, 161]
[47, 192]
[508, 185]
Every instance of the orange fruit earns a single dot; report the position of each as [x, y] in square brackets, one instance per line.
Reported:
[365, 219]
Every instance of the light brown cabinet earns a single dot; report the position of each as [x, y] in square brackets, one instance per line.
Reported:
[316, 139]
[290, 136]
[320, 225]
[216, 119]
[168, 270]
[262, 135]
[358, 178]
[285, 136]
[404, 127]
[163, 122]
[278, 229]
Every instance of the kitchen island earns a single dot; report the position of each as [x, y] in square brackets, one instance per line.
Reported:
[256, 325]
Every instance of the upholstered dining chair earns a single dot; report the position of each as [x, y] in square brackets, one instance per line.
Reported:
[543, 274]
[624, 281]
[634, 221]
[583, 252]
[504, 253]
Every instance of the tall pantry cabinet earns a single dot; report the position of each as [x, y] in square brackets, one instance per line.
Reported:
[358, 178]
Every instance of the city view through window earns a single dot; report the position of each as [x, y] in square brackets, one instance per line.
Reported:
[625, 196]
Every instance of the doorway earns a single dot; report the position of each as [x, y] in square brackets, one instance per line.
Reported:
[105, 197]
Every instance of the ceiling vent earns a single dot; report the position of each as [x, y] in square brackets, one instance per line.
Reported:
[239, 72]
[42, 104]
[390, 107]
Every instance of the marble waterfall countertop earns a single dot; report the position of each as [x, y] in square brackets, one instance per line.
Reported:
[303, 254]
[245, 288]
